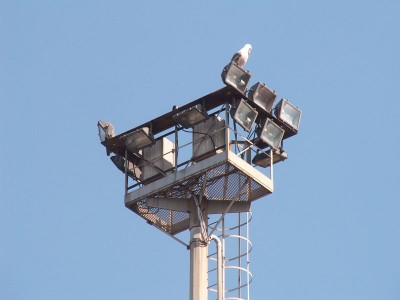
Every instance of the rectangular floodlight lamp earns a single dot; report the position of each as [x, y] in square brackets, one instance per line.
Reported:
[133, 170]
[263, 96]
[236, 77]
[263, 159]
[245, 115]
[106, 130]
[191, 116]
[288, 114]
[272, 134]
[137, 139]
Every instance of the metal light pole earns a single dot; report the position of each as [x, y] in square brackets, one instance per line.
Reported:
[221, 171]
[198, 253]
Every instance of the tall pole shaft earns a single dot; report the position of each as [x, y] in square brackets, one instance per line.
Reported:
[198, 257]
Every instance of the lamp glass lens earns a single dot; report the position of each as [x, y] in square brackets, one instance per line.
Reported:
[190, 117]
[102, 133]
[262, 96]
[265, 98]
[290, 115]
[237, 78]
[106, 130]
[245, 115]
[137, 139]
[272, 134]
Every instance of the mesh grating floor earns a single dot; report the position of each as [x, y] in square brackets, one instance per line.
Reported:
[224, 182]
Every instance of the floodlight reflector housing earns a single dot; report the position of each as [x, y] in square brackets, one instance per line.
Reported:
[106, 130]
[132, 170]
[263, 159]
[235, 76]
[191, 116]
[288, 114]
[263, 96]
[245, 115]
[271, 134]
[137, 139]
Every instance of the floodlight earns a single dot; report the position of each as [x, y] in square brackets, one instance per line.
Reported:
[263, 159]
[288, 113]
[244, 115]
[236, 77]
[119, 162]
[191, 116]
[271, 134]
[263, 96]
[137, 139]
[106, 130]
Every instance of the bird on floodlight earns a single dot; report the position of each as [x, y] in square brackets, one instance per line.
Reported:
[241, 57]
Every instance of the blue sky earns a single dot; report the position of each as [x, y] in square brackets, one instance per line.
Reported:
[331, 229]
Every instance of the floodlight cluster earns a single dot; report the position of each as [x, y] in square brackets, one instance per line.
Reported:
[252, 109]
[262, 99]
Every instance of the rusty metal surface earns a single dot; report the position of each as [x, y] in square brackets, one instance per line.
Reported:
[211, 101]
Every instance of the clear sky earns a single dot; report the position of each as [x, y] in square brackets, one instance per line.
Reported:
[331, 229]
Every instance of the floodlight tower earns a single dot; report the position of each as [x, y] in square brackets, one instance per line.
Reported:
[193, 167]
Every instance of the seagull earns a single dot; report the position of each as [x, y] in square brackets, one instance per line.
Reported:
[240, 57]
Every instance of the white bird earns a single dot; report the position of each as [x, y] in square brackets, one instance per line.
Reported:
[242, 55]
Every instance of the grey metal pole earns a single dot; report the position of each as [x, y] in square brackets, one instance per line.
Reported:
[198, 256]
